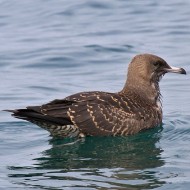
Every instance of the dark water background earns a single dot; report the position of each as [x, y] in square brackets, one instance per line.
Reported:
[51, 49]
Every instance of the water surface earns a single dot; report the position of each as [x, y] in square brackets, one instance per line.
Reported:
[51, 49]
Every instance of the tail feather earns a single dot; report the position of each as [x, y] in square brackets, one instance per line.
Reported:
[62, 127]
[31, 115]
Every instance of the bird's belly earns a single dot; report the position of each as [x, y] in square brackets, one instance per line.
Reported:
[60, 130]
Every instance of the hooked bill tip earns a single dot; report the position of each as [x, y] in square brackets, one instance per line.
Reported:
[183, 71]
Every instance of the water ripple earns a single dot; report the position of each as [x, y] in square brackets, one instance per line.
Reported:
[51, 49]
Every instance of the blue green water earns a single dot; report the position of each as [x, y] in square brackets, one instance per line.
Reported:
[51, 49]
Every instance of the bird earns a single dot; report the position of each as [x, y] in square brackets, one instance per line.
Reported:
[135, 108]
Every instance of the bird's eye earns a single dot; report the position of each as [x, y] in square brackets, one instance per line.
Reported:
[157, 63]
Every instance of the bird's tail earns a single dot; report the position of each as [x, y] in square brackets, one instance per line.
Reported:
[31, 115]
[55, 125]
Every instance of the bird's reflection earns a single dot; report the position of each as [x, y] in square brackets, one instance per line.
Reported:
[122, 162]
[132, 152]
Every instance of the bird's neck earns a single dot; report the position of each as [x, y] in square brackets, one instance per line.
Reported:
[147, 91]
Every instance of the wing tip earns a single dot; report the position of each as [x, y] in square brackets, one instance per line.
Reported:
[12, 111]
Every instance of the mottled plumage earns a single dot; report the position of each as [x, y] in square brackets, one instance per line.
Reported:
[135, 108]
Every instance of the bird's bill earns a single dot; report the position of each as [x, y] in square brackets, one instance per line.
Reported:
[175, 70]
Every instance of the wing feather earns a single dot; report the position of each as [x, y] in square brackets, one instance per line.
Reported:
[99, 113]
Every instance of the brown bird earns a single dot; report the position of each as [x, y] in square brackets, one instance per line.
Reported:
[135, 108]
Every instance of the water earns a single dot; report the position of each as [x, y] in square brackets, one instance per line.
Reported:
[51, 49]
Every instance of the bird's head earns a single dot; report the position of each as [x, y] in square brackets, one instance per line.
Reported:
[148, 68]
[144, 74]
